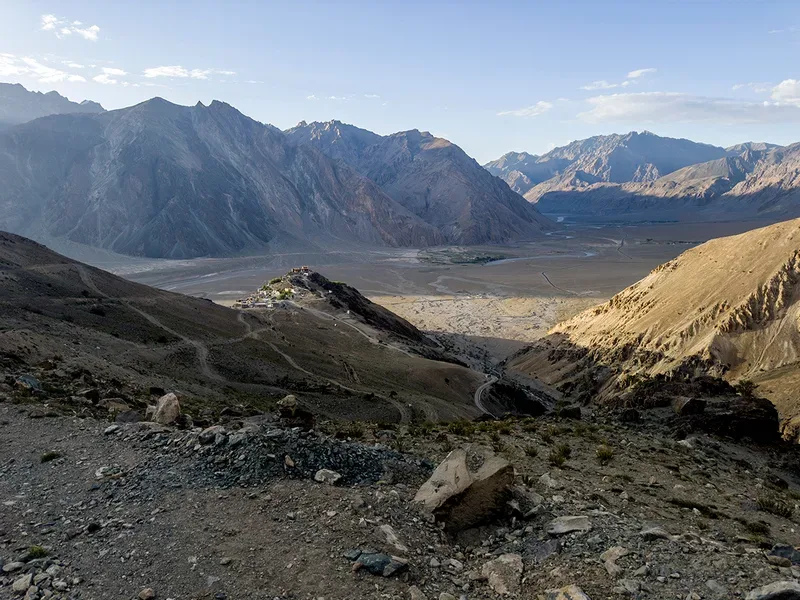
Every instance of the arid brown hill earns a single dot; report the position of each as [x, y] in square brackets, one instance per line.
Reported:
[76, 327]
[727, 308]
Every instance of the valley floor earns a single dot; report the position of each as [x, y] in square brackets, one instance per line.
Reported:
[499, 305]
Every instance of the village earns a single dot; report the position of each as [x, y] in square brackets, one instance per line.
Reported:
[275, 292]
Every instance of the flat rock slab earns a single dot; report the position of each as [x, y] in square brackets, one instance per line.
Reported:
[564, 525]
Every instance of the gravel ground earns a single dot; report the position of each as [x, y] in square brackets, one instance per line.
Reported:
[125, 508]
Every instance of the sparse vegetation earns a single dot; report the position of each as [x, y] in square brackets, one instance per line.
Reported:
[746, 388]
[559, 455]
[531, 451]
[462, 428]
[353, 430]
[704, 509]
[604, 454]
[48, 456]
[98, 310]
[35, 552]
[774, 505]
[274, 280]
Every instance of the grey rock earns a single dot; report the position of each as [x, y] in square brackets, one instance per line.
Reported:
[21, 584]
[168, 409]
[504, 574]
[655, 533]
[570, 592]
[780, 590]
[12, 567]
[568, 524]
[209, 434]
[327, 476]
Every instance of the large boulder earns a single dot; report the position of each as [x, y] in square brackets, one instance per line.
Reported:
[571, 592]
[780, 590]
[168, 409]
[462, 499]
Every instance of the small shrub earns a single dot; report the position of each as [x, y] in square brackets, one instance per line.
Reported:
[746, 388]
[759, 528]
[352, 430]
[48, 456]
[564, 449]
[98, 310]
[604, 454]
[559, 455]
[531, 451]
[37, 552]
[274, 280]
[463, 428]
[775, 506]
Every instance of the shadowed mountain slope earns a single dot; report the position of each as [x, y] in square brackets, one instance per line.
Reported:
[433, 178]
[163, 180]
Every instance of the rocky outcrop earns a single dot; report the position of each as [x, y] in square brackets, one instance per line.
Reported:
[167, 410]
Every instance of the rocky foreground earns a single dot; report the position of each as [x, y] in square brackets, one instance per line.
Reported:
[279, 507]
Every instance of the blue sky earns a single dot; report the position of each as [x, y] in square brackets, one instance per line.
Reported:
[491, 77]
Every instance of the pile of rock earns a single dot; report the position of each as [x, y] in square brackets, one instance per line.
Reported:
[34, 577]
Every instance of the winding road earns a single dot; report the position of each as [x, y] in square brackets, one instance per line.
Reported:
[479, 394]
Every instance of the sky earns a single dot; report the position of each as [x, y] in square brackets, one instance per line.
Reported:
[491, 77]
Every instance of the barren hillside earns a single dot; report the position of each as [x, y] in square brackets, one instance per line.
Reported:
[728, 308]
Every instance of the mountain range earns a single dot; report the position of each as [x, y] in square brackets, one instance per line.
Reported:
[18, 105]
[431, 177]
[642, 176]
[727, 308]
[168, 181]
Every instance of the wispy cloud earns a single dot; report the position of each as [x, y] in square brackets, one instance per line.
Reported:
[372, 96]
[63, 28]
[535, 110]
[599, 85]
[109, 76]
[12, 66]
[784, 30]
[671, 107]
[758, 88]
[178, 72]
[630, 78]
[332, 98]
[636, 74]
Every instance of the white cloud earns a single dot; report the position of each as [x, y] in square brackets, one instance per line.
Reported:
[640, 72]
[74, 65]
[599, 85]
[178, 72]
[105, 79]
[372, 96]
[113, 71]
[312, 97]
[337, 98]
[49, 22]
[758, 88]
[537, 109]
[9, 66]
[62, 28]
[670, 107]
[46, 74]
[787, 92]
